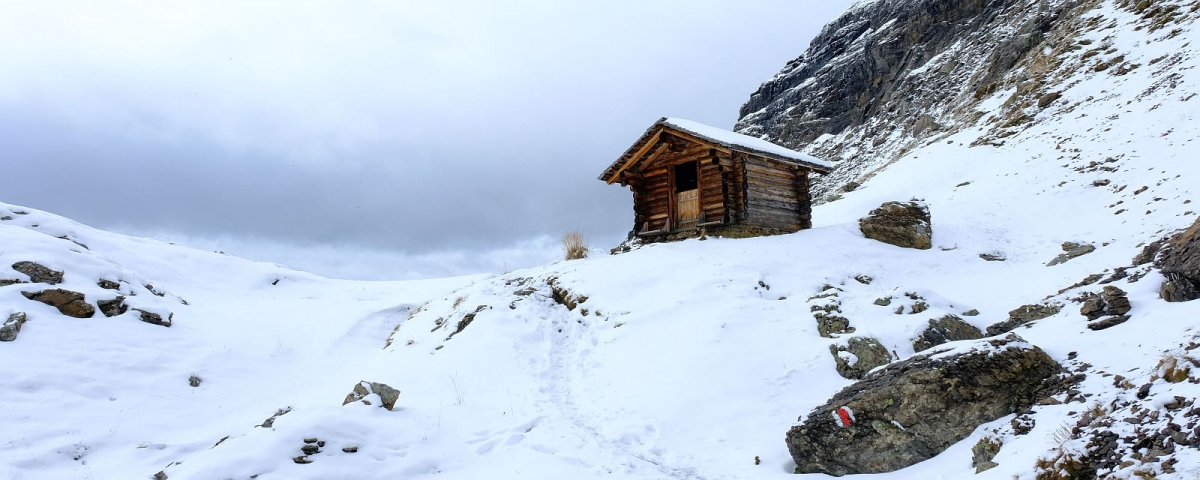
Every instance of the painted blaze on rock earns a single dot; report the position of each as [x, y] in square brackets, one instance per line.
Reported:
[912, 410]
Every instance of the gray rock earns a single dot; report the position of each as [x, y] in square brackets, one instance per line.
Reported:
[39, 273]
[903, 224]
[993, 257]
[12, 326]
[108, 284]
[387, 394]
[113, 307]
[949, 328]
[971, 313]
[1071, 250]
[69, 303]
[154, 318]
[1022, 315]
[1180, 263]
[867, 353]
[194, 381]
[912, 410]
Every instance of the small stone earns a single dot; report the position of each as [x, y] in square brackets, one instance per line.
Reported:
[194, 381]
[864, 279]
[1143, 391]
[12, 326]
[39, 273]
[1108, 322]
[350, 449]
[161, 475]
[113, 307]
[1072, 250]
[865, 354]
[883, 302]
[387, 395]
[971, 313]
[993, 257]
[303, 460]
[310, 440]
[154, 318]
[108, 284]
[310, 449]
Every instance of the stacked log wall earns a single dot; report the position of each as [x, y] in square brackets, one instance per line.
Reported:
[772, 199]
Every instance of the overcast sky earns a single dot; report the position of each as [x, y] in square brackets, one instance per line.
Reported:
[362, 139]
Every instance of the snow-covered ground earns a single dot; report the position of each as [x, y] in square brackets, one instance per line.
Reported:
[686, 360]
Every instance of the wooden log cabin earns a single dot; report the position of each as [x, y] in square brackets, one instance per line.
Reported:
[688, 178]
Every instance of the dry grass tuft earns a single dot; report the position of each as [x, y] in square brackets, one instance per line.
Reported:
[575, 245]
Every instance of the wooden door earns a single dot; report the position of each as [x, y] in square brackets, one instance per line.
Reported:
[686, 182]
[688, 203]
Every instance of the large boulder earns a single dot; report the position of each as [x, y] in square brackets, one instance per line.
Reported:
[949, 328]
[903, 224]
[912, 410]
[69, 303]
[39, 273]
[1180, 263]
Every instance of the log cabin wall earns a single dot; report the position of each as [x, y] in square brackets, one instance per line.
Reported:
[772, 197]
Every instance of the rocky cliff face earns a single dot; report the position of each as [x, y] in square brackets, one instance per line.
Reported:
[889, 76]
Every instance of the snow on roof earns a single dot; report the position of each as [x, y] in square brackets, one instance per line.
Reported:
[742, 142]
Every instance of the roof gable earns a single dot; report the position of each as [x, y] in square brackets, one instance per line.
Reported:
[719, 137]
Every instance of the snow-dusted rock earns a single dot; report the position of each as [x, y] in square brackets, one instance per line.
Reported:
[912, 410]
[859, 356]
[12, 326]
[387, 394]
[903, 224]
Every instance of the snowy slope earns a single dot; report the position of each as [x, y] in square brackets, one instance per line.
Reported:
[692, 358]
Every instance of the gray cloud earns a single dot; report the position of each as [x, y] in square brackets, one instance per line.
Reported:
[415, 129]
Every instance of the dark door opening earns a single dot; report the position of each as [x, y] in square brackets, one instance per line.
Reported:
[686, 177]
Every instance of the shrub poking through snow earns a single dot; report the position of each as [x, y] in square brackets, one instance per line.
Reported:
[575, 245]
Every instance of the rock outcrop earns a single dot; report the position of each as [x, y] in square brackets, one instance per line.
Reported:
[1180, 263]
[387, 394]
[39, 273]
[887, 75]
[69, 303]
[949, 328]
[903, 224]
[12, 326]
[914, 409]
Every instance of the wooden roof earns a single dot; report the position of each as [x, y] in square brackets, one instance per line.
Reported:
[720, 139]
